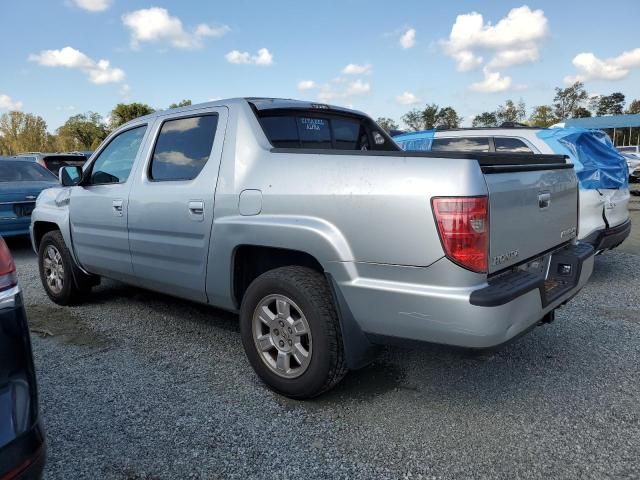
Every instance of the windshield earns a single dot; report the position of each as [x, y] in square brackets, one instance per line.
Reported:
[24, 172]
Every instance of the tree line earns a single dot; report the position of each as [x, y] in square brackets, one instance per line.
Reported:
[26, 132]
[569, 102]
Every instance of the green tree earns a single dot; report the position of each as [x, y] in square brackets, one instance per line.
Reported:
[430, 116]
[124, 112]
[611, 104]
[448, 118]
[23, 132]
[634, 107]
[567, 100]
[511, 112]
[542, 116]
[84, 131]
[387, 124]
[183, 103]
[581, 112]
[422, 119]
[485, 119]
[413, 120]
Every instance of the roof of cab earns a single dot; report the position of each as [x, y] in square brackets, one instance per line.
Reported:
[260, 103]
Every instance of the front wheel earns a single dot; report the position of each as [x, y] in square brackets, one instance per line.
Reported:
[291, 334]
[57, 270]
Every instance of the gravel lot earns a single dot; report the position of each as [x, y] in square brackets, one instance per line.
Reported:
[136, 385]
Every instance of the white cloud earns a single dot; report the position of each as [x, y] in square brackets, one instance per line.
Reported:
[358, 88]
[355, 69]
[408, 38]
[506, 58]
[8, 103]
[93, 5]
[155, 24]
[590, 67]
[263, 58]
[99, 72]
[338, 89]
[467, 61]
[306, 85]
[204, 30]
[493, 82]
[514, 39]
[407, 98]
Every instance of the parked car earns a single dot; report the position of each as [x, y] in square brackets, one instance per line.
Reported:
[316, 228]
[633, 163]
[632, 149]
[22, 441]
[86, 153]
[21, 181]
[54, 161]
[604, 188]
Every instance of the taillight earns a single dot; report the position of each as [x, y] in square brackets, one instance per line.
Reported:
[7, 268]
[463, 226]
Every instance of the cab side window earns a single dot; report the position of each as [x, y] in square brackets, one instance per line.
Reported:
[115, 162]
[183, 147]
[506, 144]
[461, 144]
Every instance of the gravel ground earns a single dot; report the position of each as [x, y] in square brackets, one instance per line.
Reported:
[136, 385]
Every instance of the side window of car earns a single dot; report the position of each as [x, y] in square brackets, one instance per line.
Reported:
[506, 144]
[183, 147]
[461, 144]
[114, 163]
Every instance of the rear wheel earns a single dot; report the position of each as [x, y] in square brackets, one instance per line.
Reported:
[291, 333]
[61, 278]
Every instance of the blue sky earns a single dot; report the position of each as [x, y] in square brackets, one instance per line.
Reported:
[161, 51]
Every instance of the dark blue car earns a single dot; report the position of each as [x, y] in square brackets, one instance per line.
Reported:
[21, 181]
[22, 442]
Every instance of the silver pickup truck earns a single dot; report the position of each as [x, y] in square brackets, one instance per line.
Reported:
[311, 223]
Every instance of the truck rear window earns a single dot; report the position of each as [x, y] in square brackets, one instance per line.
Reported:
[302, 129]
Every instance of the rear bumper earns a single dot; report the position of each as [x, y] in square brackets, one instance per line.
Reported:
[480, 315]
[609, 237]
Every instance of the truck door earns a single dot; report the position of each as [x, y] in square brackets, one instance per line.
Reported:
[98, 207]
[171, 203]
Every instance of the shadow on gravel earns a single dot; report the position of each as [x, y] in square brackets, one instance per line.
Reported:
[111, 292]
[59, 322]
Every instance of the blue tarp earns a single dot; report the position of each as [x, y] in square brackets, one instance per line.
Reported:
[415, 141]
[597, 162]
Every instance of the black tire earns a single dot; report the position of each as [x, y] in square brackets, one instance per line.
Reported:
[310, 291]
[75, 283]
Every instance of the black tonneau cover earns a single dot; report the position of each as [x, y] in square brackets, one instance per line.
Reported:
[490, 162]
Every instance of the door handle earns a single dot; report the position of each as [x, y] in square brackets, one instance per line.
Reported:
[196, 208]
[117, 207]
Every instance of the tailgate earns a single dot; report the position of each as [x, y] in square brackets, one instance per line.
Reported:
[533, 208]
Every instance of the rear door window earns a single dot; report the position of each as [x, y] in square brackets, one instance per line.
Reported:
[183, 147]
[514, 145]
[461, 144]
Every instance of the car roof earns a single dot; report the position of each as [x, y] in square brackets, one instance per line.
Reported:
[25, 159]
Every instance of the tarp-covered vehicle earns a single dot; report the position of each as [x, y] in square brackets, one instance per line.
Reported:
[602, 171]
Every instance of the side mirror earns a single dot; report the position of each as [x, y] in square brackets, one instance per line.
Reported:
[70, 176]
